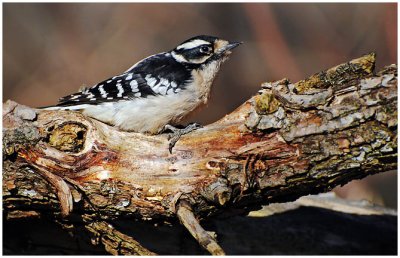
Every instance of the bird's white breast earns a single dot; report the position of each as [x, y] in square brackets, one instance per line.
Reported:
[144, 115]
[203, 79]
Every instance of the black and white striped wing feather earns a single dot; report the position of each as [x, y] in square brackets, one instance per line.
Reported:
[120, 87]
[137, 82]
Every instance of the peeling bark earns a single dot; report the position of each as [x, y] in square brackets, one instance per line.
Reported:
[290, 140]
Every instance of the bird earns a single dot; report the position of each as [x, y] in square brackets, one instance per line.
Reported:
[158, 92]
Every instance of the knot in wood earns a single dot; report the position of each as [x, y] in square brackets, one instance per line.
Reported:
[68, 136]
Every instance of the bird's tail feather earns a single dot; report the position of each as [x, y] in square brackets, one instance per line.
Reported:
[69, 107]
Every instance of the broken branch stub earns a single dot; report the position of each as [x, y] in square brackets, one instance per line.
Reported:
[290, 140]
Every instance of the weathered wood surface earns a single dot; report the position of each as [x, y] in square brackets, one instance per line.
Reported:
[287, 141]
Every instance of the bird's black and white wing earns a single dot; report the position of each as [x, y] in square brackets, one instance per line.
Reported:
[155, 75]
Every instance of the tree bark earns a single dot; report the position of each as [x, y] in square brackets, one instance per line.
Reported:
[289, 140]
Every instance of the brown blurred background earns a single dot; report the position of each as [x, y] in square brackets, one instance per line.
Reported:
[52, 49]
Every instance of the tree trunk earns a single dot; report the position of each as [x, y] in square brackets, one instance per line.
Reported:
[287, 141]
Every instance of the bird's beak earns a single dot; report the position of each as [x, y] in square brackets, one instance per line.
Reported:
[223, 47]
[231, 45]
[224, 50]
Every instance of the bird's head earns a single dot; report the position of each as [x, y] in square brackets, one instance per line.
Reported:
[202, 50]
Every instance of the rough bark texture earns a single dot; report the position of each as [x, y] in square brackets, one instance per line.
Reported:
[287, 141]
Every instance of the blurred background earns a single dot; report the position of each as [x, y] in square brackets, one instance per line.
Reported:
[50, 50]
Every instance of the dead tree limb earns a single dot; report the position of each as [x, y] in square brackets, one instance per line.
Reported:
[290, 140]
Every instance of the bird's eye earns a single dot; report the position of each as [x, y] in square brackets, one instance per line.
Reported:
[205, 49]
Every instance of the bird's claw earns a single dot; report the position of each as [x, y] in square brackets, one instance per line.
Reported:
[177, 133]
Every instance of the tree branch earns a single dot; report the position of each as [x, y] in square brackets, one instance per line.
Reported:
[187, 218]
[287, 141]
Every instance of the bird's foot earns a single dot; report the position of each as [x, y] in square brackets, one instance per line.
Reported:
[177, 133]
